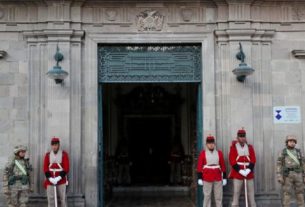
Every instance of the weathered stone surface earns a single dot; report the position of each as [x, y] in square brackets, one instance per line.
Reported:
[7, 79]
[33, 108]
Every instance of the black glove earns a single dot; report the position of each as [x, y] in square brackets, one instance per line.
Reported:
[224, 175]
[251, 166]
[199, 176]
[236, 167]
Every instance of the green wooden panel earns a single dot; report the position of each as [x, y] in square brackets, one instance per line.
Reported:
[149, 63]
[199, 139]
[100, 148]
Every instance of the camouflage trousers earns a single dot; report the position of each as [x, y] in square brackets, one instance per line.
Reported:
[17, 198]
[294, 181]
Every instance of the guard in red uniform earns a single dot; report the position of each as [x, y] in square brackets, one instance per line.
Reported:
[211, 171]
[56, 168]
[242, 160]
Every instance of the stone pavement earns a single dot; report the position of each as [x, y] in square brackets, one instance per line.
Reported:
[151, 201]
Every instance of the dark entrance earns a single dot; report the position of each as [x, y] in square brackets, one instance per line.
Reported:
[149, 141]
[146, 122]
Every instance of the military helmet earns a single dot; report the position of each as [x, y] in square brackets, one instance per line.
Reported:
[291, 138]
[20, 148]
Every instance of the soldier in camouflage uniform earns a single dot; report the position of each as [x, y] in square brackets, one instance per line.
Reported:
[16, 178]
[290, 172]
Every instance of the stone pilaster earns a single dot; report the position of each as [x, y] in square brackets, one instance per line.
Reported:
[208, 86]
[247, 104]
[55, 109]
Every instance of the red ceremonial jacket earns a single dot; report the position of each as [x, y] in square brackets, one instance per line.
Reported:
[47, 168]
[238, 162]
[211, 174]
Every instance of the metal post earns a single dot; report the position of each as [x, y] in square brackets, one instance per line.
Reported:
[55, 195]
[246, 192]
[245, 184]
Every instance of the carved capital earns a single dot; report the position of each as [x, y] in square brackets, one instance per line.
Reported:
[244, 35]
[54, 35]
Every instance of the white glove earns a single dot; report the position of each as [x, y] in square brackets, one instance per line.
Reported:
[52, 180]
[224, 182]
[247, 171]
[243, 173]
[200, 182]
[57, 179]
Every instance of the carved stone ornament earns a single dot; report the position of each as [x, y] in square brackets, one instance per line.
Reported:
[298, 13]
[1, 13]
[111, 14]
[150, 20]
[187, 14]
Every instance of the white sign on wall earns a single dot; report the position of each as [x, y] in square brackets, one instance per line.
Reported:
[286, 114]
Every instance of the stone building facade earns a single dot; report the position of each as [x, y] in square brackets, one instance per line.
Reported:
[33, 108]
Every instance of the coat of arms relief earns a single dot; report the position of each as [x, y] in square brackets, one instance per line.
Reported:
[150, 20]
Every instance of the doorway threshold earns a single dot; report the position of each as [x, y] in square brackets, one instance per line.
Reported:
[151, 196]
[152, 191]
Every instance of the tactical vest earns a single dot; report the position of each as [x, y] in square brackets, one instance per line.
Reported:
[24, 179]
[297, 169]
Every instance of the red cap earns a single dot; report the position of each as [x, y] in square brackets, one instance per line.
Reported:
[241, 131]
[55, 140]
[210, 138]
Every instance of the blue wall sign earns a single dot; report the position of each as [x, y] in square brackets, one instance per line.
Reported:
[286, 115]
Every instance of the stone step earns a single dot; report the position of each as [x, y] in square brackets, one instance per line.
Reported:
[152, 191]
[150, 201]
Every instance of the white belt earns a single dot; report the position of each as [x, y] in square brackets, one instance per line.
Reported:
[243, 163]
[55, 170]
[211, 166]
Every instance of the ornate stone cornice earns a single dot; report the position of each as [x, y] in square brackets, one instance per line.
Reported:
[240, 1]
[220, 2]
